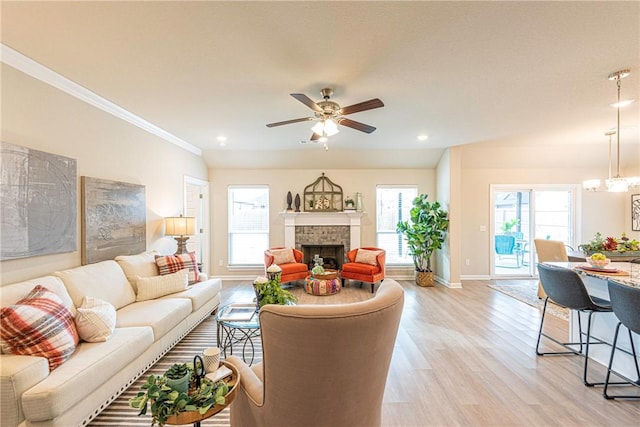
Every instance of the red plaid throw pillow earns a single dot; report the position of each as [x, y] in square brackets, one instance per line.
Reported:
[39, 325]
[169, 264]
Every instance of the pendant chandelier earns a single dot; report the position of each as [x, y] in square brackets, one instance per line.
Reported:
[616, 183]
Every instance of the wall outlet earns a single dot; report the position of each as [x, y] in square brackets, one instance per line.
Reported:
[220, 263]
[483, 228]
[467, 261]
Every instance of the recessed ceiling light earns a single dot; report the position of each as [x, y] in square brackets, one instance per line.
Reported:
[222, 138]
[423, 137]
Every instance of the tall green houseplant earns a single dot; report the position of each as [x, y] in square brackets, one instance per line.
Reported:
[425, 232]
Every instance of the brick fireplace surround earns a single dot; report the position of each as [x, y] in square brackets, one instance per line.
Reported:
[322, 228]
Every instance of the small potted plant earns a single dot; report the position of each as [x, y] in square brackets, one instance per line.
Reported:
[425, 233]
[178, 376]
[349, 204]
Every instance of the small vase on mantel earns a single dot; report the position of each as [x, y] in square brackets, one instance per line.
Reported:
[359, 202]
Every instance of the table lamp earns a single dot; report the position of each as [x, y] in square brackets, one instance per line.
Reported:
[181, 227]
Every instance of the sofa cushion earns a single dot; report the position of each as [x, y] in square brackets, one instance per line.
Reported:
[282, 256]
[168, 264]
[104, 280]
[199, 293]
[161, 314]
[143, 265]
[365, 256]
[95, 320]
[90, 366]
[293, 268]
[39, 325]
[157, 286]
[18, 374]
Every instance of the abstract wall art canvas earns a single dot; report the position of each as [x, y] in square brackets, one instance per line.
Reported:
[635, 212]
[113, 219]
[38, 209]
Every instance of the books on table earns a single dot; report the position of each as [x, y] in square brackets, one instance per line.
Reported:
[239, 312]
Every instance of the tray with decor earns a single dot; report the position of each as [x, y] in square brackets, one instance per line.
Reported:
[190, 417]
[327, 275]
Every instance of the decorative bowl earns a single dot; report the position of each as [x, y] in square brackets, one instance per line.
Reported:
[598, 263]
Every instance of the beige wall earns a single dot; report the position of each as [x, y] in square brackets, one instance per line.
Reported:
[484, 165]
[295, 180]
[41, 117]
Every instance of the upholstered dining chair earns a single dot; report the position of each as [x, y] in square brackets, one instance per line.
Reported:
[365, 265]
[549, 251]
[565, 287]
[323, 365]
[289, 260]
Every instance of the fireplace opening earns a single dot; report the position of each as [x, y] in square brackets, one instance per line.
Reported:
[332, 255]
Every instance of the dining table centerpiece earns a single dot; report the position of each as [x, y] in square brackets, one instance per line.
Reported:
[611, 246]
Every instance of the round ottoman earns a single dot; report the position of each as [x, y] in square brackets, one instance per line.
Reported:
[323, 284]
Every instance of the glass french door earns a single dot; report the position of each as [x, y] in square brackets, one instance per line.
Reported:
[520, 215]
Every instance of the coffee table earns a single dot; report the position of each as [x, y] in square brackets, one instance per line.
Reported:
[230, 332]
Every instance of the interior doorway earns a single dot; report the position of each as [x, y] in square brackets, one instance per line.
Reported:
[196, 204]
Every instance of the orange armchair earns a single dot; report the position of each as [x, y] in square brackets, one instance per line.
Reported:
[292, 267]
[365, 265]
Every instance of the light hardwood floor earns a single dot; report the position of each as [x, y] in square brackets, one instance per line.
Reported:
[466, 357]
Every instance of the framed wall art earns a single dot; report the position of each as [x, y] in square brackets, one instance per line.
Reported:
[113, 219]
[38, 212]
[635, 212]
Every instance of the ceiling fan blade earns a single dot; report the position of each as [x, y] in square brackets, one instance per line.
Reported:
[314, 137]
[307, 101]
[288, 122]
[356, 125]
[362, 106]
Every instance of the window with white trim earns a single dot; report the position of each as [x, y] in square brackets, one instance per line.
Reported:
[393, 204]
[248, 224]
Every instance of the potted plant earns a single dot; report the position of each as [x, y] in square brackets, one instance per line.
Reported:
[178, 376]
[507, 226]
[611, 246]
[269, 291]
[425, 232]
[166, 402]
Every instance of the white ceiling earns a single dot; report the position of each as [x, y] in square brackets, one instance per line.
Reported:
[461, 72]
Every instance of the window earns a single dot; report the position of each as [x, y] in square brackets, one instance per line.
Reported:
[248, 224]
[393, 205]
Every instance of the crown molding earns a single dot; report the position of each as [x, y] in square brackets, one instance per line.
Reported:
[38, 71]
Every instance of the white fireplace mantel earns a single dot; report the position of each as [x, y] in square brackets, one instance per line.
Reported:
[293, 219]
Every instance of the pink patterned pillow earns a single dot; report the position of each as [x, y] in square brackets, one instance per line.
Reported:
[365, 256]
[39, 325]
[283, 256]
[169, 264]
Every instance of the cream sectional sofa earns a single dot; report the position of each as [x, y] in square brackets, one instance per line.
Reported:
[79, 389]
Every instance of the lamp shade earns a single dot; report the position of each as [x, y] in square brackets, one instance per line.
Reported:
[180, 226]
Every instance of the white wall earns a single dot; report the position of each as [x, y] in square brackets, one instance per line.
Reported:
[38, 116]
[295, 180]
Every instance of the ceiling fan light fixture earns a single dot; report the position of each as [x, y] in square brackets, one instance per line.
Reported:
[318, 128]
[330, 127]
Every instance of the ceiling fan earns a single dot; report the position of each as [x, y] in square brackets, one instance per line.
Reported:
[329, 114]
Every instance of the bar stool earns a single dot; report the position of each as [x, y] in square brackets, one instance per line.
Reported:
[625, 301]
[564, 287]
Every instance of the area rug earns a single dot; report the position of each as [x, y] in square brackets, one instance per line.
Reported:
[204, 335]
[527, 292]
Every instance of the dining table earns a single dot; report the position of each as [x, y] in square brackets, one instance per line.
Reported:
[604, 324]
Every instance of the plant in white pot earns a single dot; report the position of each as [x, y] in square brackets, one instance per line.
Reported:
[425, 232]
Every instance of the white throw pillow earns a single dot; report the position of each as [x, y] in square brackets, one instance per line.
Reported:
[365, 256]
[283, 256]
[95, 320]
[157, 286]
